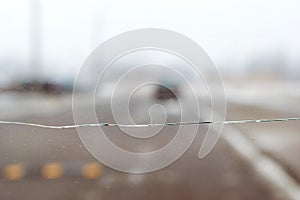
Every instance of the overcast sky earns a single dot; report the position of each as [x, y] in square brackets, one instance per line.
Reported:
[231, 31]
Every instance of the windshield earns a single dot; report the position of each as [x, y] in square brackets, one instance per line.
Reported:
[149, 100]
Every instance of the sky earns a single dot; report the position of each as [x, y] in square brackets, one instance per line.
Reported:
[232, 32]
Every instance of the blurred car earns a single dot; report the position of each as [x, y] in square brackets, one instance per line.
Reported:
[167, 90]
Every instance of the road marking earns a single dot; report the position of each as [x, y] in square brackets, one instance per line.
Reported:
[52, 171]
[92, 170]
[281, 183]
[13, 172]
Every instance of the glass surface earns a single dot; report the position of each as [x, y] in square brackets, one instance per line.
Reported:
[255, 46]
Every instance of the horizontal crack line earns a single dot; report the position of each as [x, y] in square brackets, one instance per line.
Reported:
[150, 125]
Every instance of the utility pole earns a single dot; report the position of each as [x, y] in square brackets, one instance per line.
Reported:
[36, 63]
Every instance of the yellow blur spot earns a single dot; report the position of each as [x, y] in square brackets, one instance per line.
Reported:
[92, 170]
[52, 171]
[13, 172]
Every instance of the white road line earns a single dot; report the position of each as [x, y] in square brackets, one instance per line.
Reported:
[271, 171]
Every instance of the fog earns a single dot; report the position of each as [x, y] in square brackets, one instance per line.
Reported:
[234, 33]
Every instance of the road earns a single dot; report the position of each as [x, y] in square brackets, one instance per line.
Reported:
[224, 174]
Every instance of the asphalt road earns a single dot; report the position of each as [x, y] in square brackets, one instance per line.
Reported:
[223, 174]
